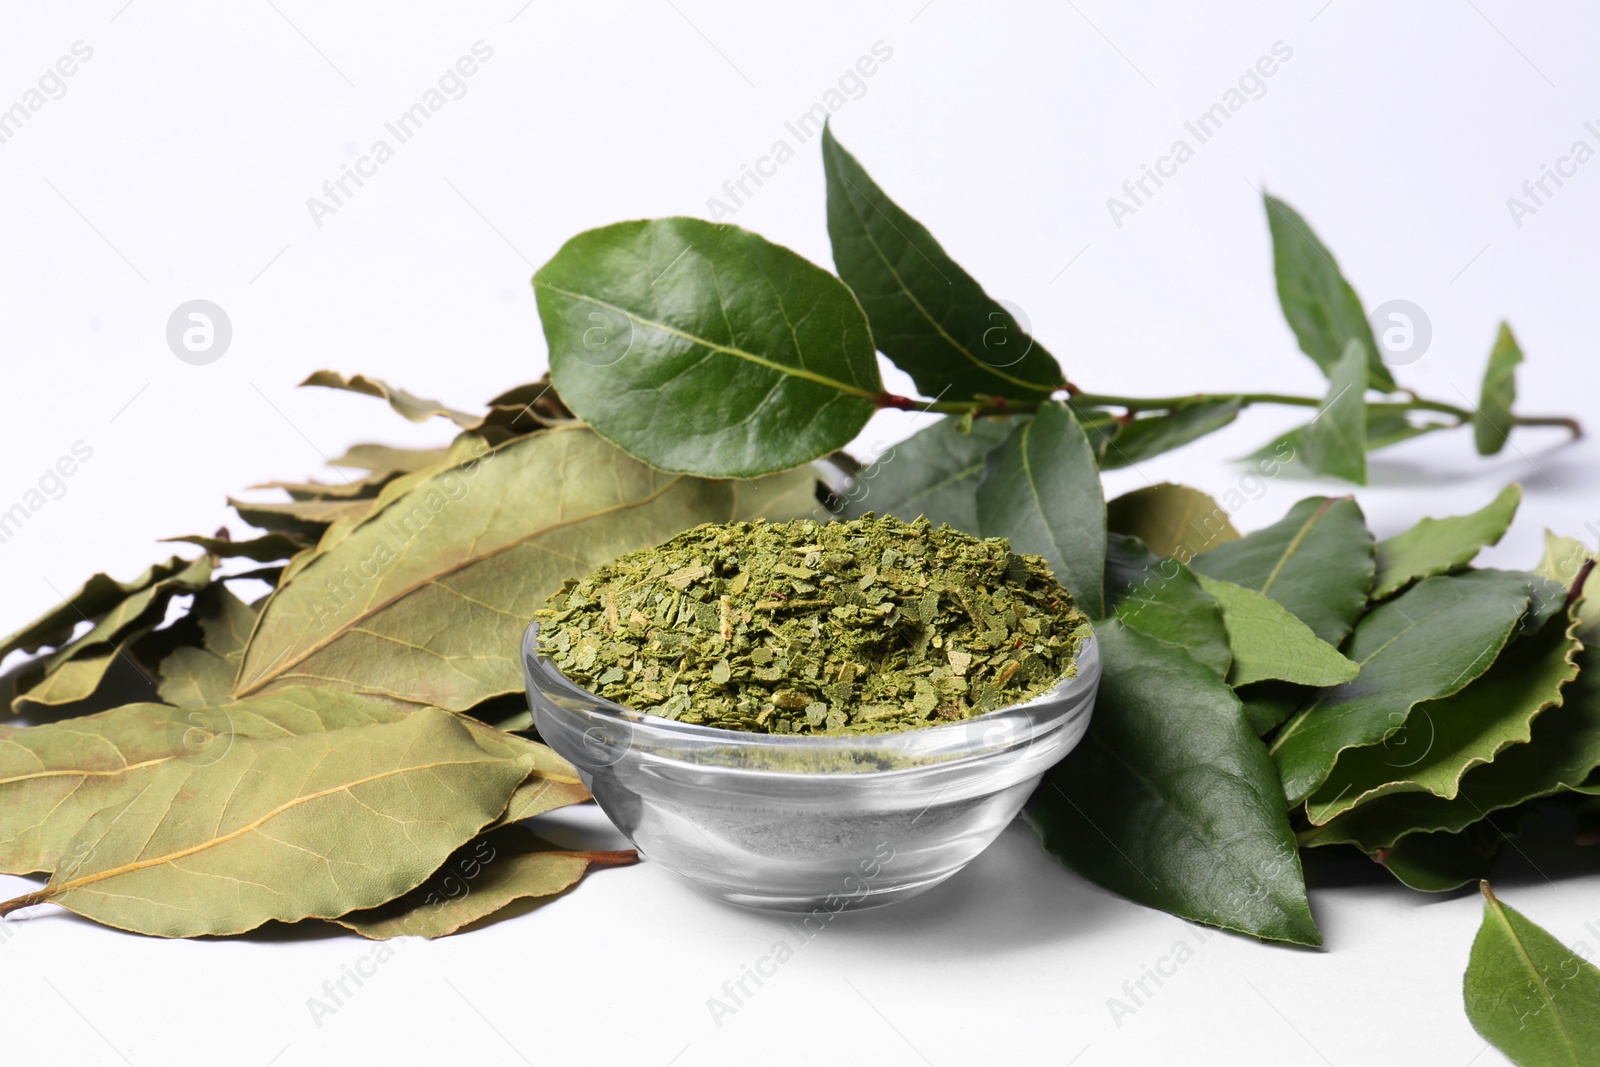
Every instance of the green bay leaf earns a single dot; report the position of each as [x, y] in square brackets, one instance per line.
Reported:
[1532, 997]
[934, 472]
[1427, 643]
[1316, 561]
[1441, 740]
[1322, 308]
[1171, 801]
[1491, 422]
[1160, 598]
[704, 348]
[928, 315]
[1150, 436]
[1439, 546]
[1562, 753]
[1041, 490]
[1268, 643]
[1336, 440]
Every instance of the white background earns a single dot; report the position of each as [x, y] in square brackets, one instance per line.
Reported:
[178, 165]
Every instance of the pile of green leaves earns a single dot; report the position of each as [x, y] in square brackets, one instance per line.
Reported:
[348, 746]
[1306, 686]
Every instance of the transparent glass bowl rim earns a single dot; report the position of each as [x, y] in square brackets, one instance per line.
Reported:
[1022, 723]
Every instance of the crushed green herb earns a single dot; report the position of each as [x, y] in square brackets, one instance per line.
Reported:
[800, 627]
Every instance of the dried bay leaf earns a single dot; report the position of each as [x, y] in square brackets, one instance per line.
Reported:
[54, 776]
[493, 870]
[413, 407]
[380, 457]
[141, 610]
[297, 518]
[426, 599]
[91, 677]
[1172, 520]
[312, 826]
[197, 676]
[268, 548]
[97, 596]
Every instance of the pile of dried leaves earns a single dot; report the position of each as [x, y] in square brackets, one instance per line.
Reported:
[346, 747]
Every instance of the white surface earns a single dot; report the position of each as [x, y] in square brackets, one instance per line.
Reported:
[177, 166]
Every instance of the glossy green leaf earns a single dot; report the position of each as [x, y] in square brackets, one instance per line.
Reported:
[1386, 426]
[934, 472]
[1425, 644]
[1316, 561]
[1268, 643]
[1171, 520]
[1532, 997]
[1438, 863]
[1171, 801]
[1041, 489]
[1336, 440]
[1152, 435]
[1160, 598]
[1322, 308]
[704, 348]
[1439, 546]
[1441, 740]
[1267, 705]
[413, 407]
[427, 598]
[1563, 751]
[480, 878]
[1491, 423]
[1564, 561]
[54, 776]
[928, 315]
[311, 826]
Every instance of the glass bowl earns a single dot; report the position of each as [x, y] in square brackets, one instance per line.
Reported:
[802, 822]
